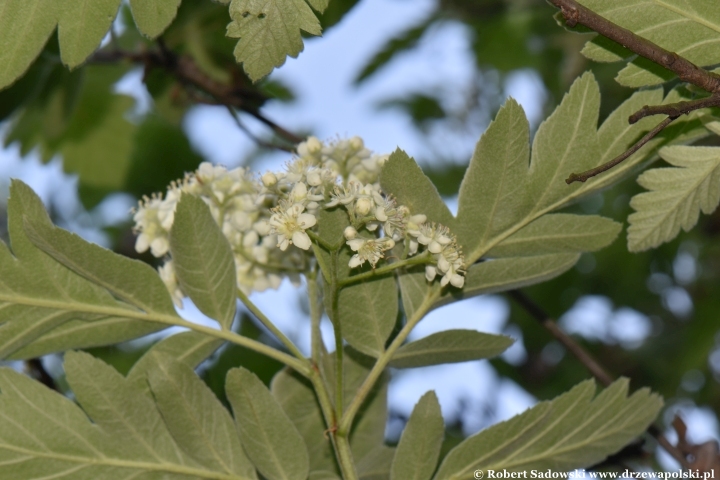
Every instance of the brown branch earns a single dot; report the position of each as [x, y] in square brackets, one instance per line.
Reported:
[593, 366]
[584, 176]
[687, 71]
[675, 110]
[196, 81]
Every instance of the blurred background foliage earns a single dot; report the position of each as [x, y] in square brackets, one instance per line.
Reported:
[652, 316]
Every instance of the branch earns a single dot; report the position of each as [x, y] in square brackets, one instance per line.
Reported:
[588, 361]
[192, 77]
[675, 110]
[584, 176]
[687, 71]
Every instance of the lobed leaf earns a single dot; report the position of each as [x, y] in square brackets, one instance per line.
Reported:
[676, 196]
[203, 260]
[690, 28]
[559, 233]
[198, 422]
[367, 312]
[419, 447]
[450, 346]
[297, 398]
[44, 434]
[572, 431]
[269, 437]
[47, 307]
[403, 178]
[269, 31]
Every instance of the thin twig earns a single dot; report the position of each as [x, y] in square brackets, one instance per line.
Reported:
[675, 110]
[195, 80]
[253, 137]
[587, 360]
[584, 176]
[687, 71]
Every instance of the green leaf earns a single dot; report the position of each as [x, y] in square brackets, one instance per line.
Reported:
[121, 410]
[419, 447]
[569, 432]
[269, 437]
[688, 28]
[297, 398]
[559, 233]
[504, 274]
[25, 26]
[152, 17]
[269, 31]
[404, 179]
[367, 312]
[190, 348]
[198, 422]
[450, 346]
[82, 26]
[44, 435]
[203, 260]
[44, 302]
[376, 464]
[676, 196]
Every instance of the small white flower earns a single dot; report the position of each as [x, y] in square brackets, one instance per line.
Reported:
[269, 179]
[368, 250]
[290, 223]
[363, 206]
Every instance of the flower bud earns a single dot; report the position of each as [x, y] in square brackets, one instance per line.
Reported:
[313, 145]
[349, 233]
[269, 179]
[363, 206]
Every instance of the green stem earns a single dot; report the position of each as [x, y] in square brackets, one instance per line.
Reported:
[270, 325]
[317, 347]
[338, 334]
[347, 418]
[417, 260]
[345, 458]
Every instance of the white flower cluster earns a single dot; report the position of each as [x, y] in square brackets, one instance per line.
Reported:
[262, 217]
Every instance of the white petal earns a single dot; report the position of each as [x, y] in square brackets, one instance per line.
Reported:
[306, 220]
[435, 247]
[159, 246]
[445, 280]
[142, 243]
[380, 214]
[457, 280]
[355, 261]
[356, 243]
[430, 272]
[301, 240]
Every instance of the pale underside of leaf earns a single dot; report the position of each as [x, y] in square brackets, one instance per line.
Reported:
[571, 431]
[152, 17]
[676, 197]
[45, 435]
[688, 28]
[450, 346]
[203, 260]
[269, 31]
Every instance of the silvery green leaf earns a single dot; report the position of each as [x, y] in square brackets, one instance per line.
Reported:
[418, 450]
[402, 177]
[269, 437]
[690, 28]
[203, 260]
[45, 435]
[47, 307]
[676, 197]
[152, 17]
[450, 346]
[559, 233]
[572, 431]
[367, 312]
[297, 398]
[269, 31]
[198, 422]
[375, 465]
